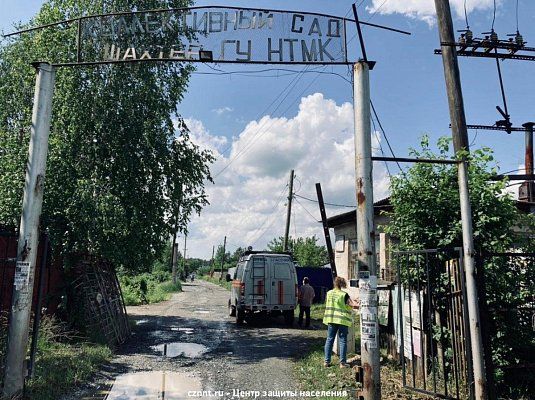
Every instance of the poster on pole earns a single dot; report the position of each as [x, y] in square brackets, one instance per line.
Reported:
[226, 34]
[369, 326]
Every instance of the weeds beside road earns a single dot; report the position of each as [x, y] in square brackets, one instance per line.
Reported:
[223, 282]
[147, 288]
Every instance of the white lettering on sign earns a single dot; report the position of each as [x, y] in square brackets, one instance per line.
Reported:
[230, 35]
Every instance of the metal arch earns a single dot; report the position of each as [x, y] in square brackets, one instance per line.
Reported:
[72, 20]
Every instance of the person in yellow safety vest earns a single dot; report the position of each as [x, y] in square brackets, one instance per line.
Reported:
[338, 317]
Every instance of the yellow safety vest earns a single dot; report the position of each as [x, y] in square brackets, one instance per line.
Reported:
[336, 309]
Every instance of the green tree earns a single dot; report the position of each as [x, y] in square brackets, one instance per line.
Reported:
[122, 172]
[305, 250]
[426, 215]
[425, 200]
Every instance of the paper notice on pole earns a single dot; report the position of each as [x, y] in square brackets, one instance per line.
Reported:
[22, 275]
[368, 334]
[417, 342]
[369, 328]
[384, 302]
[407, 343]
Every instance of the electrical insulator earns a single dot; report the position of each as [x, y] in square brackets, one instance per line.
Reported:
[519, 40]
[469, 36]
[493, 36]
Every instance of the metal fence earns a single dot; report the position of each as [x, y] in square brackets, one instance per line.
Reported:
[507, 305]
[431, 324]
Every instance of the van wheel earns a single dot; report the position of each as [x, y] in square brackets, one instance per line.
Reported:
[240, 316]
[289, 317]
[231, 310]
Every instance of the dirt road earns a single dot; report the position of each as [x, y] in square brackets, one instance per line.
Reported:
[207, 355]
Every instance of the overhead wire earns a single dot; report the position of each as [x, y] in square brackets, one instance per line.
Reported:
[272, 212]
[263, 112]
[493, 16]
[466, 16]
[304, 208]
[384, 134]
[260, 132]
[327, 204]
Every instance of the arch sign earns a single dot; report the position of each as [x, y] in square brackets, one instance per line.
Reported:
[219, 34]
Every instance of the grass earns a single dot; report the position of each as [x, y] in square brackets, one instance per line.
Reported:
[62, 361]
[223, 283]
[147, 288]
[312, 375]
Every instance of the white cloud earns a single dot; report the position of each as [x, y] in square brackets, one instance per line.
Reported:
[223, 110]
[425, 9]
[248, 200]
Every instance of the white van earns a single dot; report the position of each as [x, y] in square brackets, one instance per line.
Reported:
[263, 282]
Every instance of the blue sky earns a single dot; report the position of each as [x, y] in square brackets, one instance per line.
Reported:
[407, 87]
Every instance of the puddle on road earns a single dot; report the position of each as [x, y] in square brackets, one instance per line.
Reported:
[176, 349]
[153, 385]
[187, 331]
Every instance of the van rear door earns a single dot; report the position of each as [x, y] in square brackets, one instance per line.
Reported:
[282, 281]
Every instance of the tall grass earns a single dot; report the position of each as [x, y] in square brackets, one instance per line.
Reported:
[147, 288]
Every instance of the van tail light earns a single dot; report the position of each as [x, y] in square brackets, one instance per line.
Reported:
[242, 288]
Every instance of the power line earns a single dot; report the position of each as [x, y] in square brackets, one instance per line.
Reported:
[327, 204]
[494, 16]
[384, 133]
[304, 208]
[288, 90]
[289, 72]
[380, 146]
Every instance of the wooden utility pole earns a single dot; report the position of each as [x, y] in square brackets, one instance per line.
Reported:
[184, 258]
[326, 229]
[289, 212]
[175, 257]
[212, 262]
[460, 143]
[365, 234]
[223, 257]
[19, 325]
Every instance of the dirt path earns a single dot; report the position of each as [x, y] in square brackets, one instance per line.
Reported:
[206, 351]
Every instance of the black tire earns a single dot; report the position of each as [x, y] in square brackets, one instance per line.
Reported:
[231, 310]
[240, 316]
[289, 317]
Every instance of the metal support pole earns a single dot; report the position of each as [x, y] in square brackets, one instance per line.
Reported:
[460, 142]
[326, 229]
[289, 212]
[365, 229]
[223, 257]
[29, 232]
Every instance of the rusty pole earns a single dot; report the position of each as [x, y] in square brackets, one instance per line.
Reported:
[459, 133]
[365, 232]
[32, 203]
[529, 158]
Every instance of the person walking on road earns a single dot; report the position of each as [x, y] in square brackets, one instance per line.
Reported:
[338, 317]
[306, 295]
